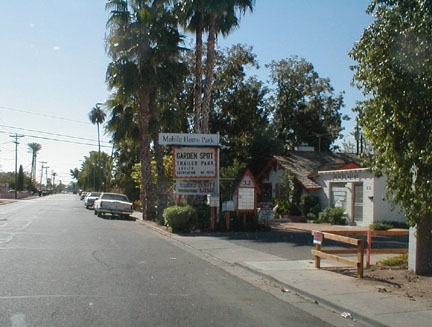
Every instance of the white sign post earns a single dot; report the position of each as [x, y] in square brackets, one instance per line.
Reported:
[196, 165]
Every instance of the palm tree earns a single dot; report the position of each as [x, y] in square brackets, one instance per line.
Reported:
[97, 116]
[213, 16]
[143, 42]
[193, 19]
[34, 148]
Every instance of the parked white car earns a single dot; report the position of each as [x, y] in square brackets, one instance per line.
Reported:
[114, 204]
[90, 198]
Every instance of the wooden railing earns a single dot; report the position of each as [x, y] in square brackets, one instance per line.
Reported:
[338, 236]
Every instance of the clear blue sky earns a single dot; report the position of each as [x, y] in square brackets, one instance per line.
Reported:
[53, 64]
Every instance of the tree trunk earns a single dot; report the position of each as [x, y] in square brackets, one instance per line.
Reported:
[198, 80]
[161, 180]
[160, 168]
[423, 251]
[209, 72]
[145, 156]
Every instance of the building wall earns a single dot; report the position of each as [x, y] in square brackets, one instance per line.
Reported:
[383, 208]
[372, 189]
[355, 186]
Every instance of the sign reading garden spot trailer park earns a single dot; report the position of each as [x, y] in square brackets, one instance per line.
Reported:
[195, 163]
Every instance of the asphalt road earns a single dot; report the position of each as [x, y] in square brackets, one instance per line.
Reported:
[62, 266]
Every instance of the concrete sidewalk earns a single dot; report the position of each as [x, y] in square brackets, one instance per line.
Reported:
[338, 292]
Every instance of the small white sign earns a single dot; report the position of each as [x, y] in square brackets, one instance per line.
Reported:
[182, 139]
[246, 198]
[195, 187]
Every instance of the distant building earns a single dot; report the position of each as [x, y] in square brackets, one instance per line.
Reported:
[337, 180]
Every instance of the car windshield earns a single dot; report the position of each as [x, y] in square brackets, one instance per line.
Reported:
[95, 194]
[118, 197]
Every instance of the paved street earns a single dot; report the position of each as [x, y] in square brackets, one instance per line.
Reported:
[63, 266]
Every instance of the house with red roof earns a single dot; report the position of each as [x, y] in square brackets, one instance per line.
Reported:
[336, 180]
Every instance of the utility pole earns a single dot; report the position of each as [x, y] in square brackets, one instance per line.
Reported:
[53, 175]
[40, 185]
[46, 175]
[16, 136]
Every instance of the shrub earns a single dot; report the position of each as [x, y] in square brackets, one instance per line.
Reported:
[385, 225]
[286, 207]
[399, 261]
[310, 206]
[180, 219]
[333, 216]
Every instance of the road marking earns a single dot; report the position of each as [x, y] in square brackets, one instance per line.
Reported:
[18, 320]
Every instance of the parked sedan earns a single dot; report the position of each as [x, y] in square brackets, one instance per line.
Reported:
[114, 204]
[90, 199]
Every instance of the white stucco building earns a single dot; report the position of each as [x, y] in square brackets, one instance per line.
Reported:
[336, 180]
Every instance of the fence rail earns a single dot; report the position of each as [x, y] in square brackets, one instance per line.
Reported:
[340, 236]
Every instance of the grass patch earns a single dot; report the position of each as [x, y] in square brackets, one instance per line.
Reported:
[399, 261]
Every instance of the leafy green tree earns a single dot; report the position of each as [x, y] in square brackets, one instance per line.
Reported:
[143, 42]
[306, 110]
[240, 110]
[20, 180]
[74, 173]
[92, 168]
[394, 71]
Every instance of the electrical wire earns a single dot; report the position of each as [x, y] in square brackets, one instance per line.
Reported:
[44, 115]
[55, 134]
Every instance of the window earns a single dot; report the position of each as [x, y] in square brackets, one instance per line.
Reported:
[358, 202]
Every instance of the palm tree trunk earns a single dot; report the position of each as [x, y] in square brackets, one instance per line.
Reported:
[198, 80]
[209, 72]
[98, 160]
[159, 157]
[32, 175]
[145, 156]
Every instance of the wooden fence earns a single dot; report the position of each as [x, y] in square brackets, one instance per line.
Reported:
[339, 236]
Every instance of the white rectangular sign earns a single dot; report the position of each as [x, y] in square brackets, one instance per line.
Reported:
[184, 139]
[198, 163]
[246, 198]
[195, 187]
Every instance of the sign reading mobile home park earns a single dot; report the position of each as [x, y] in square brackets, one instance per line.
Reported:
[181, 139]
[197, 163]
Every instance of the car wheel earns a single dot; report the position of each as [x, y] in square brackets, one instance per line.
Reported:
[95, 212]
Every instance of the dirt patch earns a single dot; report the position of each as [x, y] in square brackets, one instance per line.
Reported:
[399, 282]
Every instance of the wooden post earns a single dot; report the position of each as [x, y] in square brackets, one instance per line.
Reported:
[369, 248]
[227, 220]
[360, 259]
[317, 258]
[213, 218]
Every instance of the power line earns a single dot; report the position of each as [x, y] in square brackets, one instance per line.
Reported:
[54, 134]
[44, 115]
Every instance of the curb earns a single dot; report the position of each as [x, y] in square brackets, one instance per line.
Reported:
[295, 290]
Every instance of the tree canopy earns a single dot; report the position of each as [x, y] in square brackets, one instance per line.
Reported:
[305, 108]
[394, 71]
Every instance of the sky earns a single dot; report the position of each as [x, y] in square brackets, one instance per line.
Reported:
[53, 64]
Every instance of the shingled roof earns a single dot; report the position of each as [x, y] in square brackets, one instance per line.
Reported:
[305, 165]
